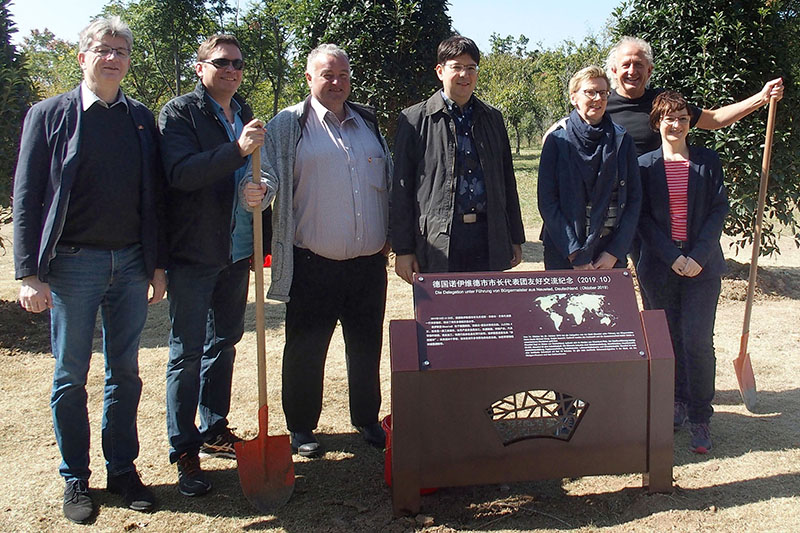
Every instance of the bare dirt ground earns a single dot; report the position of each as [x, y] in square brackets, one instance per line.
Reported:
[750, 482]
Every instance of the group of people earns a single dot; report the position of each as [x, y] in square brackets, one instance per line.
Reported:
[112, 211]
[617, 176]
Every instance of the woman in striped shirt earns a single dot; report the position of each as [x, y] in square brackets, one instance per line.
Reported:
[684, 203]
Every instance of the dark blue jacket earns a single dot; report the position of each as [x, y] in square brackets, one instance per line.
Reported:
[48, 162]
[562, 199]
[708, 205]
[199, 163]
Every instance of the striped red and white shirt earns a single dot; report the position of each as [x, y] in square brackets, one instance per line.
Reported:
[678, 185]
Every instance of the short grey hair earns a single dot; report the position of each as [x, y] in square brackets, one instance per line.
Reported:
[611, 60]
[102, 26]
[327, 49]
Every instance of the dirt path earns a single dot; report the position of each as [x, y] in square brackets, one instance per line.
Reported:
[750, 482]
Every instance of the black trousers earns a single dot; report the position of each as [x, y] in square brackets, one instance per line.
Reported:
[323, 293]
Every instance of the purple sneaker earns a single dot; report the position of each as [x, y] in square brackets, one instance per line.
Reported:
[701, 438]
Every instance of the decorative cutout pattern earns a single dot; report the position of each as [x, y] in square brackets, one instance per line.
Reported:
[536, 414]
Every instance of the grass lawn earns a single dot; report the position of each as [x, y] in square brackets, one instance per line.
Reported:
[526, 167]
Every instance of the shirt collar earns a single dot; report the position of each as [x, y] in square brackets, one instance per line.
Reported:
[88, 98]
[452, 105]
[321, 111]
[235, 106]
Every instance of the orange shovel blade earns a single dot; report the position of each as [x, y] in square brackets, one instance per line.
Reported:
[747, 380]
[266, 470]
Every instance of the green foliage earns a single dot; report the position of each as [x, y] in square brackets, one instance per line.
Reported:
[391, 43]
[717, 52]
[506, 81]
[52, 63]
[166, 35]
[266, 35]
[16, 94]
[530, 87]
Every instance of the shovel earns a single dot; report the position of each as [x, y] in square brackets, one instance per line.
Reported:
[266, 471]
[744, 369]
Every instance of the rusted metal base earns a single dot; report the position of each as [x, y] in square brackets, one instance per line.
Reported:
[504, 424]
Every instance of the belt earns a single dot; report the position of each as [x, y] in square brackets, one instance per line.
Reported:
[680, 244]
[470, 218]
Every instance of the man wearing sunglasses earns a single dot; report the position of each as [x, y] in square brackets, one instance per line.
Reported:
[207, 137]
[88, 237]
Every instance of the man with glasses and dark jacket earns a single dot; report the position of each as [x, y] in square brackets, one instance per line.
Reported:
[455, 206]
[88, 237]
[207, 137]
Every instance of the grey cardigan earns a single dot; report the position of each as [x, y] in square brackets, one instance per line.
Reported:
[277, 161]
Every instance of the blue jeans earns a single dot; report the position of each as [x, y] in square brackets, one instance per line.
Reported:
[206, 308]
[691, 308]
[81, 281]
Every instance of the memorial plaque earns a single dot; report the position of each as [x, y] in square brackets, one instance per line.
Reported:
[488, 319]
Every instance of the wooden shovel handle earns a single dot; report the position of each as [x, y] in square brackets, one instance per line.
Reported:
[258, 267]
[762, 198]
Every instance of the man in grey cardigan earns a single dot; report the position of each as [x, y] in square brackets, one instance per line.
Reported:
[329, 246]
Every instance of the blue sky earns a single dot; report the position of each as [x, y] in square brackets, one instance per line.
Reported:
[548, 21]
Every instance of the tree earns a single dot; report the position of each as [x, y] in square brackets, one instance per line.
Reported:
[166, 36]
[507, 80]
[391, 43]
[267, 36]
[16, 95]
[716, 52]
[51, 62]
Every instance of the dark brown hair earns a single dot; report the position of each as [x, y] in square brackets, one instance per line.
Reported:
[666, 102]
[455, 46]
[212, 42]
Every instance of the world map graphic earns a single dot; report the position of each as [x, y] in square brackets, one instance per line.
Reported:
[572, 310]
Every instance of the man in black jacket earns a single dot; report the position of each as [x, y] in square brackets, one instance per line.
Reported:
[207, 137]
[87, 236]
[455, 206]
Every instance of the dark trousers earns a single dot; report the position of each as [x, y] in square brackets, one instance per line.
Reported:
[691, 307]
[323, 293]
[469, 247]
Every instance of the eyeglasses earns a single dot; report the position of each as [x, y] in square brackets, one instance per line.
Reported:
[221, 62]
[105, 51]
[592, 94]
[458, 68]
[683, 121]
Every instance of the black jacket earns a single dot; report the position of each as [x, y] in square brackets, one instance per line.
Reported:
[708, 206]
[424, 184]
[48, 163]
[199, 165]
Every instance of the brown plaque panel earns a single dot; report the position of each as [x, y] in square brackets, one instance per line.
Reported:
[478, 320]
[553, 375]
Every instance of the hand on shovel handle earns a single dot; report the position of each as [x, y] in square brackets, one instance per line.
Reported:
[266, 470]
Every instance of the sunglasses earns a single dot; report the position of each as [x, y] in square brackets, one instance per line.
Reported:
[220, 62]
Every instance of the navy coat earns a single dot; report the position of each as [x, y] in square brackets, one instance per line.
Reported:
[708, 205]
[562, 199]
[48, 162]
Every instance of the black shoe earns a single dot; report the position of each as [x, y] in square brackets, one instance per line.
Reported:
[78, 504]
[373, 434]
[220, 446]
[133, 492]
[191, 479]
[305, 444]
